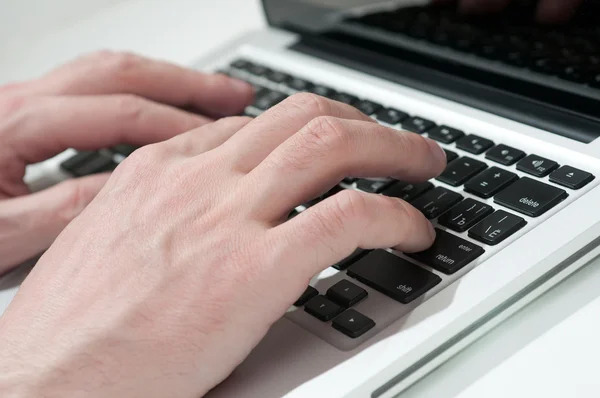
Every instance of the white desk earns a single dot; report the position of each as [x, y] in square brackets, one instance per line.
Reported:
[551, 349]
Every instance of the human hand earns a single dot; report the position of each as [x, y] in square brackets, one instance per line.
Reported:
[180, 265]
[549, 11]
[97, 101]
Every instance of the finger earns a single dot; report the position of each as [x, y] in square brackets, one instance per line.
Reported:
[482, 6]
[209, 136]
[555, 11]
[328, 149]
[268, 131]
[45, 126]
[120, 73]
[330, 231]
[40, 217]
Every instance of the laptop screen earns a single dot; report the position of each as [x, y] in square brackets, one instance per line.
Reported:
[545, 52]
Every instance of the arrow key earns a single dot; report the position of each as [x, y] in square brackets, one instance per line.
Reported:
[322, 309]
[346, 293]
[353, 324]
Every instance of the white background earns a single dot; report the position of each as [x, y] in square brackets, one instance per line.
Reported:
[549, 350]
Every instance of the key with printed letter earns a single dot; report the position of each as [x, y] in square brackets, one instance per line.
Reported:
[449, 253]
[436, 202]
[393, 276]
[497, 227]
[464, 215]
[530, 197]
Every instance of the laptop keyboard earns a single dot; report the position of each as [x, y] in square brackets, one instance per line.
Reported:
[570, 52]
[476, 203]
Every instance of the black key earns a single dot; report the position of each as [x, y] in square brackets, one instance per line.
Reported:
[466, 214]
[530, 197]
[257, 70]
[449, 253]
[321, 198]
[505, 155]
[266, 98]
[345, 98]
[374, 186]
[445, 134]
[368, 107]
[571, 177]
[497, 227]
[322, 308]
[277, 77]
[417, 125]
[353, 324]
[74, 161]
[241, 64]
[393, 276]
[299, 84]
[407, 191]
[461, 170]
[293, 214]
[537, 166]
[349, 180]
[308, 294]
[490, 182]
[436, 202]
[322, 91]
[391, 116]
[450, 156]
[474, 144]
[124, 149]
[346, 293]
[96, 164]
[351, 259]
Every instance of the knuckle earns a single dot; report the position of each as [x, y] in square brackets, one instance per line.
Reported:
[122, 65]
[310, 103]
[131, 108]
[11, 105]
[350, 205]
[74, 200]
[325, 133]
[141, 159]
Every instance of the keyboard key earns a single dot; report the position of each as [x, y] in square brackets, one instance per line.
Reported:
[449, 253]
[322, 308]
[74, 161]
[497, 228]
[537, 166]
[323, 91]
[257, 70]
[474, 144]
[445, 134]
[293, 214]
[530, 197]
[98, 163]
[346, 293]
[345, 98]
[241, 64]
[326, 195]
[466, 214]
[351, 259]
[393, 276]
[374, 186]
[353, 324]
[391, 116]
[461, 170]
[299, 84]
[349, 180]
[571, 177]
[277, 77]
[124, 149]
[505, 155]
[450, 156]
[490, 182]
[308, 294]
[368, 107]
[436, 202]
[266, 99]
[407, 191]
[417, 125]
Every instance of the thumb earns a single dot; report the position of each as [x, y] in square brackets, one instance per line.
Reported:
[30, 224]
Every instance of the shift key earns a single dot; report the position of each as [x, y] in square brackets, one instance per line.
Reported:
[393, 276]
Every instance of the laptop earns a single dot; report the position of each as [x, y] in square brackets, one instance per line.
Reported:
[516, 106]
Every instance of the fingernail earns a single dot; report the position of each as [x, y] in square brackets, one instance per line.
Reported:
[436, 151]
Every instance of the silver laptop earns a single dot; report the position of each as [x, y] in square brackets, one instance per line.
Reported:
[516, 106]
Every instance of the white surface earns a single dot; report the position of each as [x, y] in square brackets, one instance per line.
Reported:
[549, 350]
